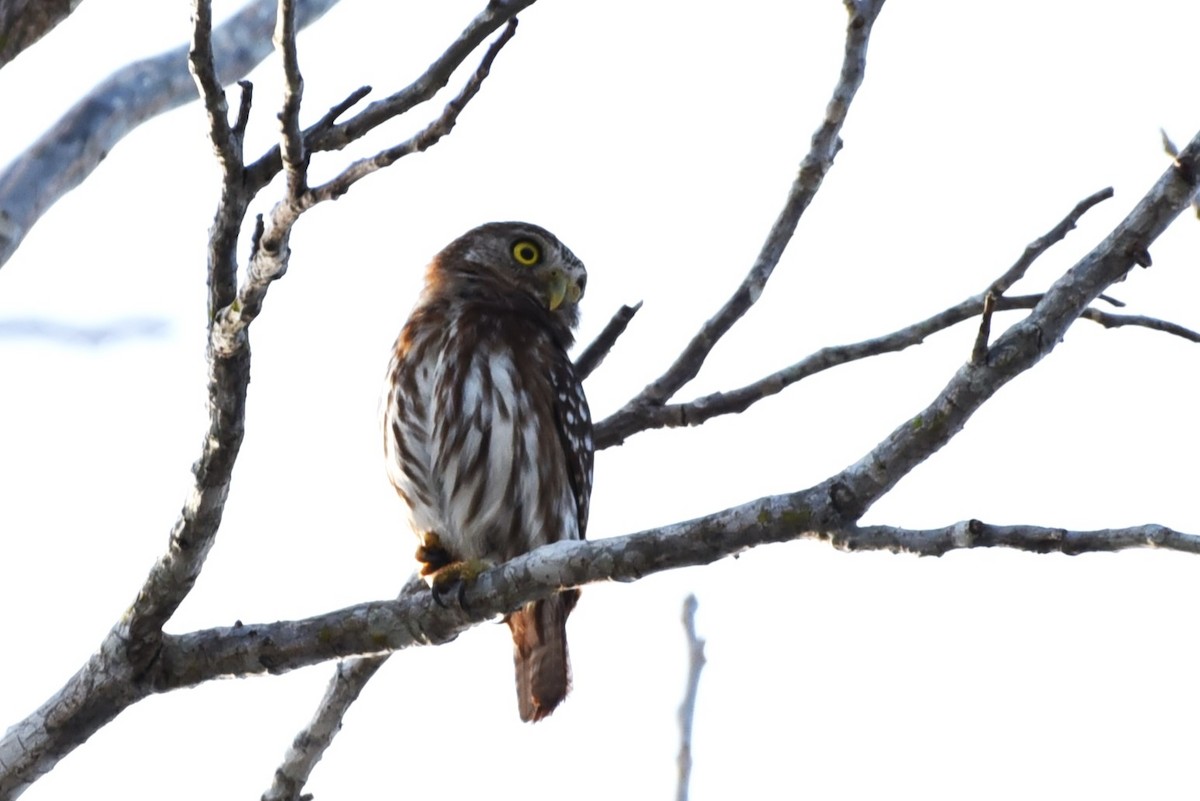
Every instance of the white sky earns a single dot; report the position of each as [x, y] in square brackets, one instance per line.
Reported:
[657, 140]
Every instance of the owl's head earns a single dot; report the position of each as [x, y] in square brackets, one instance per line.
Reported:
[518, 258]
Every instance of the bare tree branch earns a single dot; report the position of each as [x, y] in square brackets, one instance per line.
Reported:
[1035, 539]
[420, 141]
[124, 669]
[68, 153]
[310, 744]
[825, 144]
[1023, 345]
[137, 659]
[24, 22]
[735, 401]
[414, 618]
[91, 335]
[1109, 320]
[292, 145]
[593, 355]
[1043, 243]
[173, 576]
[617, 428]
[814, 513]
[328, 135]
[687, 709]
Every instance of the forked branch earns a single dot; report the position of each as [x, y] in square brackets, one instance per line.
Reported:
[816, 163]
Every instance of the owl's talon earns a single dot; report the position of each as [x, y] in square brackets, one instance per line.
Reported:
[460, 591]
[454, 577]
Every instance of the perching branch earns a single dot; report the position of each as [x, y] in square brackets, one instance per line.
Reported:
[414, 619]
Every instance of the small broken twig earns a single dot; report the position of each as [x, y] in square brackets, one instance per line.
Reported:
[687, 709]
[979, 351]
[594, 353]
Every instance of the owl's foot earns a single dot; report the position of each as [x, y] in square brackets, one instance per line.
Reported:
[432, 556]
[454, 578]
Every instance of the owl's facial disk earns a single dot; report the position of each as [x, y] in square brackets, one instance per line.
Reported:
[527, 258]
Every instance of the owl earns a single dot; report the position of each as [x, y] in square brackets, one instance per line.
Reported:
[486, 430]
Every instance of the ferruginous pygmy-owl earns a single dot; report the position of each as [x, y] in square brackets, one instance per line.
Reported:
[486, 428]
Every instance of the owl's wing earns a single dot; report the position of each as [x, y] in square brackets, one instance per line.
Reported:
[574, 422]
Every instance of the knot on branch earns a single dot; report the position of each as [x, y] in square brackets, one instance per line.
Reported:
[845, 502]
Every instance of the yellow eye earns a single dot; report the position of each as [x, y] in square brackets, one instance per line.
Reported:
[526, 253]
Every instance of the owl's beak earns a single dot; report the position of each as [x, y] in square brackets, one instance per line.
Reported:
[560, 287]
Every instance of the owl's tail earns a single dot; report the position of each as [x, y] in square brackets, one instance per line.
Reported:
[539, 631]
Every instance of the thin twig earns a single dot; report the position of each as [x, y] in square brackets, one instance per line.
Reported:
[1043, 243]
[310, 744]
[292, 144]
[593, 355]
[1022, 345]
[735, 401]
[816, 163]
[687, 709]
[1109, 320]
[243, 117]
[335, 137]
[227, 144]
[422, 140]
[1033, 539]
[339, 109]
[618, 427]
[204, 72]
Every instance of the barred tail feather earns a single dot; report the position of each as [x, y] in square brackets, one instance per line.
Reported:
[539, 631]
